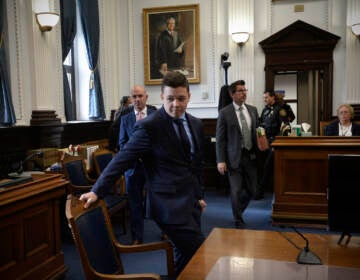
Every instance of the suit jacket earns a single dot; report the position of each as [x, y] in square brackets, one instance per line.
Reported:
[126, 129]
[114, 130]
[228, 135]
[127, 125]
[333, 129]
[174, 183]
[166, 45]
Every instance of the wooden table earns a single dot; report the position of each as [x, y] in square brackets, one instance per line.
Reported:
[30, 244]
[268, 245]
[301, 177]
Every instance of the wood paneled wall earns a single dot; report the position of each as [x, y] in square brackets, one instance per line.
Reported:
[16, 141]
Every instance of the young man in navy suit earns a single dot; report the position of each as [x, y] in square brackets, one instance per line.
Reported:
[173, 168]
[135, 177]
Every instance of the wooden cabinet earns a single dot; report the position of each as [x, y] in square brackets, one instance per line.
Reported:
[301, 177]
[30, 229]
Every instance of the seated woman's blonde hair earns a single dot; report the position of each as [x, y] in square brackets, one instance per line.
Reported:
[350, 108]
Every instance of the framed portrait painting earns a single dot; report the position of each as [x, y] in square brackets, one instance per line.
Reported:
[171, 42]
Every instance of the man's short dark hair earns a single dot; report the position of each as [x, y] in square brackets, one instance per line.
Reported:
[174, 79]
[270, 92]
[232, 87]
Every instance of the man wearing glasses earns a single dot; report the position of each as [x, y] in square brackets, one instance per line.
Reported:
[235, 149]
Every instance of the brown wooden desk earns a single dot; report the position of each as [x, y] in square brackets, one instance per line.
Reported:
[301, 177]
[30, 245]
[268, 245]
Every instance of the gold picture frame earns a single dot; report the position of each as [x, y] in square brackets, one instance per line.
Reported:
[166, 50]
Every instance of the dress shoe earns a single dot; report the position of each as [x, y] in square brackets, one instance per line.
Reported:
[136, 242]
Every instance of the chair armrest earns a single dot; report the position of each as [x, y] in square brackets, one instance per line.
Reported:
[138, 276]
[153, 246]
[76, 188]
[90, 180]
[120, 186]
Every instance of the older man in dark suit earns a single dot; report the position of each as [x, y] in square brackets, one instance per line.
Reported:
[135, 177]
[235, 149]
[170, 143]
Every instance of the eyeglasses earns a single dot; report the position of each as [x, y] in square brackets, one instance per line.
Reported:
[241, 91]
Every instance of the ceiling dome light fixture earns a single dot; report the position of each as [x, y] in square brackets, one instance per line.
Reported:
[46, 20]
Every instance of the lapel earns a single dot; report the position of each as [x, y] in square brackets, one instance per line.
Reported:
[149, 110]
[252, 116]
[234, 117]
[171, 133]
[132, 120]
[168, 128]
[194, 135]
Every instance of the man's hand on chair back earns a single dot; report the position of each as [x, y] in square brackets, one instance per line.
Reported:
[88, 198]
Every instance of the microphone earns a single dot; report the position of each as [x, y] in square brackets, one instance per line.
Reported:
[20, 168]
[306, 256]
[224, 63]
[224, 57]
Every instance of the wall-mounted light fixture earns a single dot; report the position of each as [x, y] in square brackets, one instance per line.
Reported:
[355, 28]
[46, 20]
[240, 37]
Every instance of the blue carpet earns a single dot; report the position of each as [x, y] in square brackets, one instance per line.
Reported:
[218, 214]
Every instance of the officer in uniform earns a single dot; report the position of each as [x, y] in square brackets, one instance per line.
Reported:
[275, 119]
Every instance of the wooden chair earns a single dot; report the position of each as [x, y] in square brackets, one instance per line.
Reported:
[101, 158]
[98, 248]
[74, 169]
[75, 172]
[323, 125]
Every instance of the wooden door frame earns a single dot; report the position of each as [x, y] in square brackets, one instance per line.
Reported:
[302, 47]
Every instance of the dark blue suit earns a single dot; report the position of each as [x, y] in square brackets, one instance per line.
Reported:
[134, 178]
[333, 129]
[174, 182]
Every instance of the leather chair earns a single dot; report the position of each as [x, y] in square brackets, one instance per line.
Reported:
[101, 159]
[75, 171]
[98, 248]
[323, 125]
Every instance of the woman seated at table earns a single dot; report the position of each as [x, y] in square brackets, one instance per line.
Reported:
[343, 126]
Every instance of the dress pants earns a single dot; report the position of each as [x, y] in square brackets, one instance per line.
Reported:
[185, 238]
[267, 180]
[242, 182]
[135, 181]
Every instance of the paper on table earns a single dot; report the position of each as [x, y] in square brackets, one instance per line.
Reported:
[179, 48]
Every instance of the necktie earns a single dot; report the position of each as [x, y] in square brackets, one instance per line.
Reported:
[245, 130]
[183, 137]
[139, 115]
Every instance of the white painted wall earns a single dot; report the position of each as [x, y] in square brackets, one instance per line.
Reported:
[36, 77]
